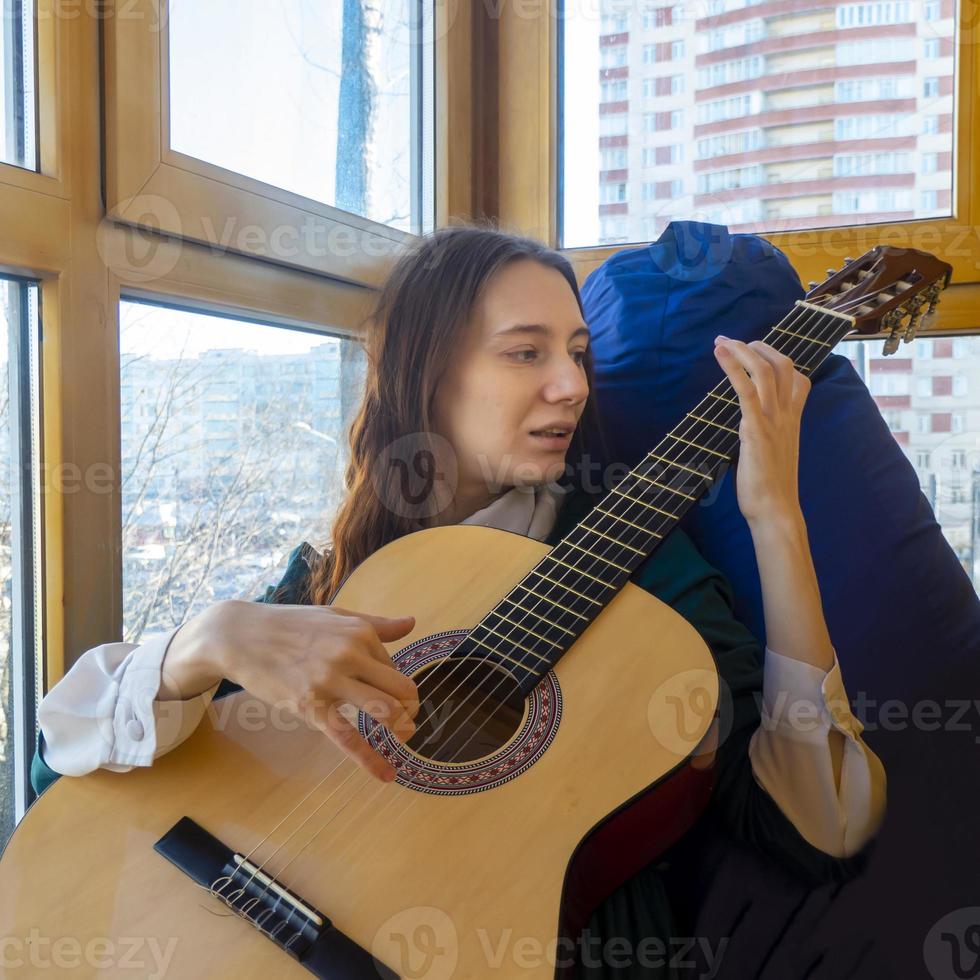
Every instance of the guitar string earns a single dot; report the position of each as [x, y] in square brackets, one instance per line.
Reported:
[821, 312]
[445, 722]
[807, 316]
[810, 314]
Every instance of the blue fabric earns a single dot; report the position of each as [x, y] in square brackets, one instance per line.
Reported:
[654, 313]
[902, 613]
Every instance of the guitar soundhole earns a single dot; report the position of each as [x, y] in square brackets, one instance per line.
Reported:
[469, 710]
[474, 732]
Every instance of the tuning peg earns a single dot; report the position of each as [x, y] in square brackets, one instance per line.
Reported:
[914, 317]
[848, 260]
[831, 272]
[814, 284]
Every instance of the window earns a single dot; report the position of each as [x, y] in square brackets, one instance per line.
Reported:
[930, 47]
[19, 143]
[930, 125]
[614, 56]
[614, 159]
[868, 14]
[243, 432]
[614, 91]
[930, 10]
[783, 110]
[613, 125]
[615, 22]
[21, 624]
[930, 88]
[889, 384]
[613, 193]
[330, 170]
[941, 444]
[337, 128]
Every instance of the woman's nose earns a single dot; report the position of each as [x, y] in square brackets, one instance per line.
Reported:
[569, 383]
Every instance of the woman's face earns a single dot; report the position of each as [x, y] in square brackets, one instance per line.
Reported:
[518, 369]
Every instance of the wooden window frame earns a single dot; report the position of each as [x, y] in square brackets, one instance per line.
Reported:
[528, 134]
[87, 256]
[151, 185]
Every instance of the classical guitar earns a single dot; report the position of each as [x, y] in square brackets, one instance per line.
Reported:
[560, 749]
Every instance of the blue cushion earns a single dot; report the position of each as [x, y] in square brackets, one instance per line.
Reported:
[891, 585]
[903, 615]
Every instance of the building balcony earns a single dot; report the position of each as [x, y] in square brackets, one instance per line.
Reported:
[826, 112]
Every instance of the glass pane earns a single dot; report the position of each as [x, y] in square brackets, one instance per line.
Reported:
[331, 99]
[20, 547]
[17, 85]
[754, 115]
[233, 451]
[929, 394]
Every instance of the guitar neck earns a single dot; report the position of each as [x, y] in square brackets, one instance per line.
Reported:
[540, 619]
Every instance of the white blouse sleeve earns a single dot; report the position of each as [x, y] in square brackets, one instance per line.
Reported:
[103, 714]
[790, 756]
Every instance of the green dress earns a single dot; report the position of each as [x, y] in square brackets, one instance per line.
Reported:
[641, 908]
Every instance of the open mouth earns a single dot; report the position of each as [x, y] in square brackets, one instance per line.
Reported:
[554, 438]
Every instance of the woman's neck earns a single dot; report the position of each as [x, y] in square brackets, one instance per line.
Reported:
[463, 503]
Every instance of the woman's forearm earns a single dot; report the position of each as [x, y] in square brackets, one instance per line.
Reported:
[795, 624]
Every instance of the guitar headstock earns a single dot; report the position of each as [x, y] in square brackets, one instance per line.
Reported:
[888, 288]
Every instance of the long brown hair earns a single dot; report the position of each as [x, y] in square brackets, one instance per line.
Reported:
[425, 305]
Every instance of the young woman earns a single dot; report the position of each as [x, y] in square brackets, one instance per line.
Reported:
[477, 345]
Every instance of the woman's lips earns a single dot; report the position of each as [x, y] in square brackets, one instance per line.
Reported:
[553, 442]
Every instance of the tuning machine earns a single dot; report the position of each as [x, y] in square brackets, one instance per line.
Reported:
[893, 323]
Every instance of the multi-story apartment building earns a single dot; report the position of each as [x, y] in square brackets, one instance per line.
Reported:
[774, 115]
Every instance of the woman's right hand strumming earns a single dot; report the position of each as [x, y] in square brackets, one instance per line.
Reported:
[311, 660]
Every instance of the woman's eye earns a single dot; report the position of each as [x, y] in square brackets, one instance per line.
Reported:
[517, 354]
[580, 354]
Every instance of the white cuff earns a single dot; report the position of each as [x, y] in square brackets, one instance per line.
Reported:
[144, 727]
[791, 760]
[104, 714]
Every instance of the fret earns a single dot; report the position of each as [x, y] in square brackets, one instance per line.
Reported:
[572, 544]
[734, 432]
[714, 394]
[649, 479]
[696, 445]
[812, 340]
[622, 544]
[643, 503]
[568, 588]
[509, 639]
[578, 571]
[525, 628]
[538, 615]
[681, 466]
[571, 612]
[609, 513]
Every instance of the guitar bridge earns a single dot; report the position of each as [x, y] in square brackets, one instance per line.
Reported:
[294, 925]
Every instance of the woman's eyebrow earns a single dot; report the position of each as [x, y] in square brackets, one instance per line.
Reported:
[538, 329]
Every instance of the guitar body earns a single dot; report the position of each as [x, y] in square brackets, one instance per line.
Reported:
[483, 867]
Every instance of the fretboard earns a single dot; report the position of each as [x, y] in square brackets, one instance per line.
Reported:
[530, 629]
